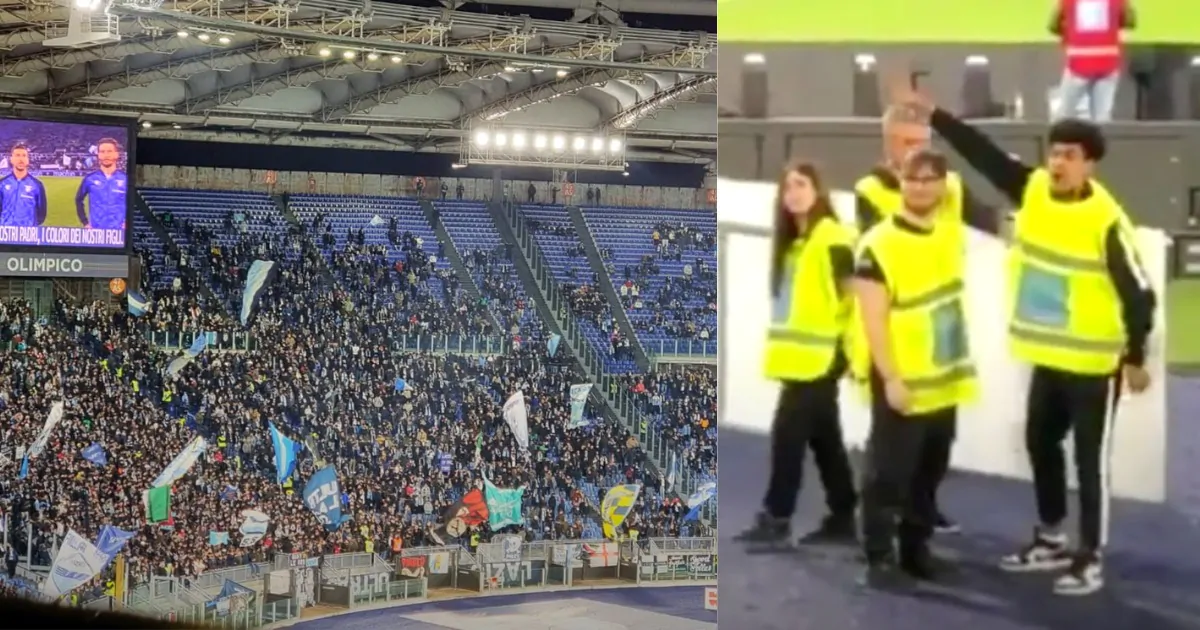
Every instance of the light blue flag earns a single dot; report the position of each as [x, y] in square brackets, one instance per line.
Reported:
[138, 305]
[112, 540]
[552, 344]
[24, 468]
[705, 493]
[218, 538]
[178, 363]
[323, 496]
[285, 454]
[400, 384]
[182, 463]
[256, 279]
[579, 397]
[504, 505]
[198, 345]
[95, 453]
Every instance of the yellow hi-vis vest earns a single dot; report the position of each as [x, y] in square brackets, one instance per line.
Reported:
[808, 316]
[927, 325]
[1066, 313]
[889, 202]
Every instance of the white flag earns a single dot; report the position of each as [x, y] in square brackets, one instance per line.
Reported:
[76, 562]
[517, 419]
[182, 463]
[52, 420]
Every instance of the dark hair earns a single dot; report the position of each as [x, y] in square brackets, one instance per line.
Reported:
[19, 145]
[925, 159]
[104, 141]
[786, 232]
[1084, 134]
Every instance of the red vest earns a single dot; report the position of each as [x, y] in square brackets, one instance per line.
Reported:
[1091, 36]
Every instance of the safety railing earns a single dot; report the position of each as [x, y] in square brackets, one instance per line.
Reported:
[680, 350]
[173, 340]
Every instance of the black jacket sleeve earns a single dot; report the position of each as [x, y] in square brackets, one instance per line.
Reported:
[842, 259]
[1133, 288]
[979, 215]
[866, 213]
[1007, 174]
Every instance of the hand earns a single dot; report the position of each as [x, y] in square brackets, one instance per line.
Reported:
[1137, 379]
[898, 396]
[901, 91]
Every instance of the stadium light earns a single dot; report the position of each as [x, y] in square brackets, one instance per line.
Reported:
[372, 56]
[224, 40]
[501, 140]
[482, 138]
[505, 146]
[397, 58]
[597, 145]
[87, 5]
[614, 145]
[347, 55]
[579, 144]
[539, 142]
[324, 52]
[518, 141]
[182, 34]
[560, 143]
[204, 37]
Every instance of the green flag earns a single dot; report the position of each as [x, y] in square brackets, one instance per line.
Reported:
[158, 504]
[478, 447]
[504, 505]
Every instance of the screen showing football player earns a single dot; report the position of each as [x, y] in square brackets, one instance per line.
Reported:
[22, 196]
[104, 190]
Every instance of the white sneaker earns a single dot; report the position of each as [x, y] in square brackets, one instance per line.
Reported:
[1047, 552]
[1084, 577]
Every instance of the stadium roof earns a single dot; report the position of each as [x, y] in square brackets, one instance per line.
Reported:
[371, 74]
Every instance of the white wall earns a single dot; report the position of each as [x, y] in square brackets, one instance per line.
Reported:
[991, 431]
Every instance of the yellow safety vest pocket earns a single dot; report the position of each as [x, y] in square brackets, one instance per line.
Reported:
[1042, 297]
[949, 334]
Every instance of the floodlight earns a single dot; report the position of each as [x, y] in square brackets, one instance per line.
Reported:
[481, 138]
[501, 139]
[182, 34]
[204, 37]
[324, 52]
[373, 56]
[397, 58]
[224, 40]
[614, 145]
[146, 124]
[560, 143]
[539, 141]
[518, 141]
[561, 73]
[87, 5]
[597, 145]
[579, 144]
[348, 54]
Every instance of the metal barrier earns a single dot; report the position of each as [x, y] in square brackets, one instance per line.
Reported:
[239, 341]
[280, 589]
[681, 350]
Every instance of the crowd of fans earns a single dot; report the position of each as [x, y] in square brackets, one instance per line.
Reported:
[331, 338]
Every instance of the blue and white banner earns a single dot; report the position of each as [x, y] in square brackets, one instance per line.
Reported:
[285, 454]
[52, 419]
[95, 453]
[256, 281]
[112, 540]
[217, 538]
[254, 527]
[198, 345]
[138, 305]
[517, 419]
[702, 495]
[445, 463]
[552, 345]
[668, 482]
[579, 398]
[182, 463]
[323, 496]
[77, 562]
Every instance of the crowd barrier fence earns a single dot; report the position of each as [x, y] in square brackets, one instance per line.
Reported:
[280, 589]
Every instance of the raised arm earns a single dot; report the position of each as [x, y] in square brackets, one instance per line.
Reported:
[1006, 173]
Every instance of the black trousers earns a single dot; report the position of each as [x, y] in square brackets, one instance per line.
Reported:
[1061, 402]
[808, 417]
[907, 459]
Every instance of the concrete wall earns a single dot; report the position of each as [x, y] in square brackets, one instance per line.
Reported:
[1145, 166]
[818, 80]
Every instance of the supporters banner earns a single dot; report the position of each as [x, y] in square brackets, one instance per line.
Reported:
[439, 563]
[323, 496]
[517, 419]
[138, 304]
[182, 463]
[563, 554]
[702, 495]
[414, 566]
[256, 280]
[52, 419]
[77, 562]
[552, 345]
[217, 538]
[285, 453]
[616, 505]
[254, 527]
[504, 505]
[602, 554]
[579, 397]
[461, 516]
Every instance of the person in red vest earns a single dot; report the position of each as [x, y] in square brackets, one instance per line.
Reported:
[1090, 32]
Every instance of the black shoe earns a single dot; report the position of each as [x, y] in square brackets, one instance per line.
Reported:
[885, 574]
[944, 525]
[834, 529]
[922, 564]
[767, 530]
